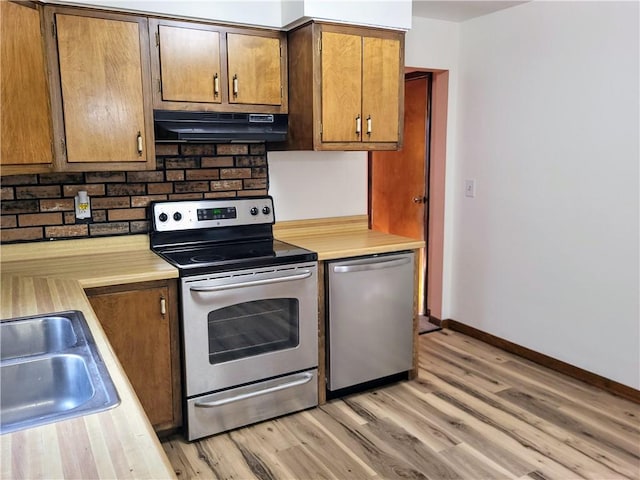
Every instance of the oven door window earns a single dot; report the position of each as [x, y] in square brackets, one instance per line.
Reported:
[252, 328]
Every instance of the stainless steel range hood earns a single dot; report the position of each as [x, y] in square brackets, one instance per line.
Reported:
[215, 127]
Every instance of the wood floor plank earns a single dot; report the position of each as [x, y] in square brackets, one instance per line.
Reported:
[480, 350]
[545, 424]
[261, 457]
[378, 456]
[474, 434]
[626, 448]
[411, 420]
[473, 413]
[403, 444]
[323, 448]
[485, 381]
[472, 464]
[521, 372]
[540, 445]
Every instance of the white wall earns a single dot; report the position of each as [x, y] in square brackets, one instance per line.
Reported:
[547, 254]
[318, 184]
[383, 13]
[270, 13]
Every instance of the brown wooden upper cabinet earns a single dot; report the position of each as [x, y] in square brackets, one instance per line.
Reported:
[209, 67]
[25, 116]
[100, 78]
[346, 88]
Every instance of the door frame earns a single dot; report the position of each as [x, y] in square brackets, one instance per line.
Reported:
[435, 172]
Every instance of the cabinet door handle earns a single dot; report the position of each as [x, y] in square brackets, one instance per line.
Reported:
[358, 125]
[235, 85]
[216, 85]
[369, 125]
[163, 306]
[139, 139]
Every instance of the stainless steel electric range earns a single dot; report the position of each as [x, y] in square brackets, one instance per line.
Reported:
[249, 312]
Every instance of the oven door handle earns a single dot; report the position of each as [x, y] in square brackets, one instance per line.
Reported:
[252, 283]
[306, 378]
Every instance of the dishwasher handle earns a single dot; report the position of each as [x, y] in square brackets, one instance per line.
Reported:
[376, 264]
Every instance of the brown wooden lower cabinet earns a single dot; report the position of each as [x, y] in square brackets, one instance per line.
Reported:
[141, 323]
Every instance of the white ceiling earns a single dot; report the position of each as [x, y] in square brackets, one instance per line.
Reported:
[457, 10]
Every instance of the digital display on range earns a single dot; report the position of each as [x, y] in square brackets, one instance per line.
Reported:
[216, 213]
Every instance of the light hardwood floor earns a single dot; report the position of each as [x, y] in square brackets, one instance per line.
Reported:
[475, 412]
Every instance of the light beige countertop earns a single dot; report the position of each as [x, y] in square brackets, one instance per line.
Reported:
[341, 237]
[94, 262]
[116, 443]
[47, 277]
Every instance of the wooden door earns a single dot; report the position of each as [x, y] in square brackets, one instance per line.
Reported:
[25, 116]
[380, 84]
[189, 64]
[398, 179]
[140, 336]
[102, 90]
[341, 87]
[255, 75]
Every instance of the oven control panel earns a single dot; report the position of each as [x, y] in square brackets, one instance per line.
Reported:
[194, 214]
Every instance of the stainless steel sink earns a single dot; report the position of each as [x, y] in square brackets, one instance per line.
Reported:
[34, 336]
[50, 370]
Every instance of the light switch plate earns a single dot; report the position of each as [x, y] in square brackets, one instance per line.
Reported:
[470, 188]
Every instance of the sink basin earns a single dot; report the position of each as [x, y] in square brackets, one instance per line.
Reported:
[35, 336]
[56, 384]
[50, 370]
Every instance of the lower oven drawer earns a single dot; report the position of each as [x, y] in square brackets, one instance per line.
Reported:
[221, 411]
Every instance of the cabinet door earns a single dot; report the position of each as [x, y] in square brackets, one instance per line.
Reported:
[189, 64]
[380, 86]
[255, 75]
[25, 116]
[341, 87]
[102, 92]
[140, 336]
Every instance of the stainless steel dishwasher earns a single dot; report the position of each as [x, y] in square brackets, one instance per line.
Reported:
[369, 318]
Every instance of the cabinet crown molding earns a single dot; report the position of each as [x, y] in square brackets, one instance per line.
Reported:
[276, 14]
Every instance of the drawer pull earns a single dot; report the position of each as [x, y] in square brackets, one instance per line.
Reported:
[244, 396]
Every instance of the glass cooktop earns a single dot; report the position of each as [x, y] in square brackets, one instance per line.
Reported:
[192, 260]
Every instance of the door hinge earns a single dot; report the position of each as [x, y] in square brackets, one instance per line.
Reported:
[281, 50]
[281, 92]
[53, 29]
[157, 39]
[159, 86]
[63, 147]
[320, 44]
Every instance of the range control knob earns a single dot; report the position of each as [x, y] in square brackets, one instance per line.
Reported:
[163, 217]
[266, 210]
[177, 216]
[253, 211]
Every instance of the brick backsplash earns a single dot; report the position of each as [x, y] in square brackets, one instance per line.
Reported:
[37, 207]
